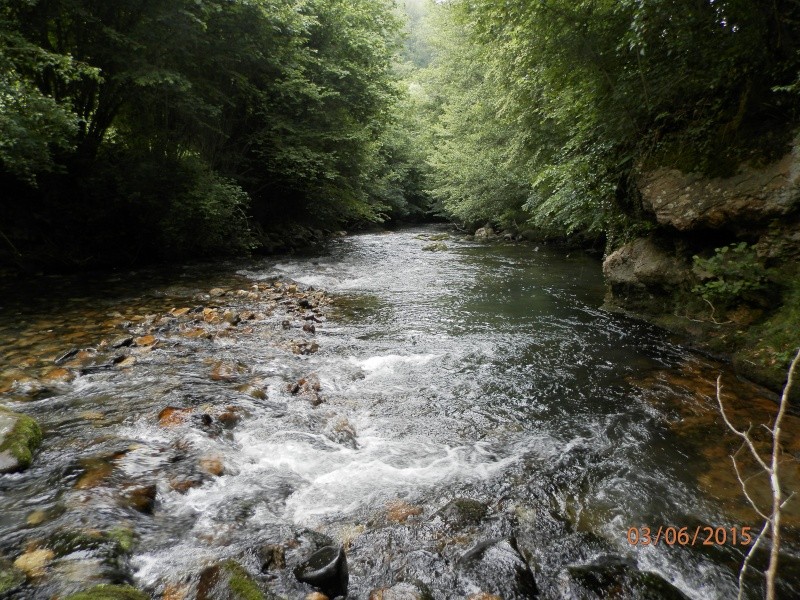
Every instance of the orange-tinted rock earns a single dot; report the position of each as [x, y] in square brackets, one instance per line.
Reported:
[225, 371]
[141, 498]
[145, 340]
[212, 465]
[175, 591]
[59, 375]
[179, 312]
[97, 471]
[184, 485]
[171, 416]
[399, 511]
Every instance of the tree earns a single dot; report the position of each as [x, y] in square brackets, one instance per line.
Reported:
[771, 466]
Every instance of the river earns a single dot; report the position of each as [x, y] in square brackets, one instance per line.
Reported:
[481, 372]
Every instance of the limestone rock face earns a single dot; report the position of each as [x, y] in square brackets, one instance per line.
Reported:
[689, 201]
[643, 263]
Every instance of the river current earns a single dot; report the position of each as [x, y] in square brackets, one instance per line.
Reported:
[450, 371]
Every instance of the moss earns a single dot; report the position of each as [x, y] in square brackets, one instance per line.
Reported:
[241, 584]
[123, 537]
[23, 439]
[109, 592]
[10, 579]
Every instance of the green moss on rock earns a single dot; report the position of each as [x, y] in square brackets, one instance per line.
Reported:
[19, 442]
[11, 578]
[242, 585]
[110, 592]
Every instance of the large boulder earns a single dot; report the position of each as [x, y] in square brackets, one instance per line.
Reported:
[690, 201]
[20, 435]
[643, 264]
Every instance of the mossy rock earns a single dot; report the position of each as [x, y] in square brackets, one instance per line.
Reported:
[20, 435]
[11, 578]
[229, 581]
[461, 512]
[110, 592]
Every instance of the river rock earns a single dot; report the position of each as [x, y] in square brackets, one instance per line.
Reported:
[110, 592]
[496, 567]
[141, 498]
[462, 512]
[228, 581]
[402, 591]
[484, 234]
[34, 562]
[642, 272]
[612, 576]
[400, 511]
[122, 342]
[690, 201]
[272, 557]
[20, 435]
[11, 578]
[326, 570]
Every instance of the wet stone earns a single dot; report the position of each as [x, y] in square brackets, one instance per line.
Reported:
[496, 567]
[272, 557]
[122, 342]
[11, 578]
[326, 570]
[228, 581]
[400, 511]
[20, 436]
[402, 591]
[34, 562]
[461, 512]
[110, 592]
[141, 498]
[609, 576]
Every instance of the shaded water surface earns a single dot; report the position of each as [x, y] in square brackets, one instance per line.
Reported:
[487, 373]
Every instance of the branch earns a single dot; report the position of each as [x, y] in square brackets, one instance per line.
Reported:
[745, 435]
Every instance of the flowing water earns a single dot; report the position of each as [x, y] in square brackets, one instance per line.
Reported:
[482, 372]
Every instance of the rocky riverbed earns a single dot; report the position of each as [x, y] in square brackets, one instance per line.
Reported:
[380, 421]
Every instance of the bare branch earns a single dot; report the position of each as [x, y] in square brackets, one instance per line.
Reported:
[742, 434]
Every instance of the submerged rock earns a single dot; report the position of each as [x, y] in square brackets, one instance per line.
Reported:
[228, 581]
[461, 512]
[34, 562]
[496, 567]
[20, 436]
[615, 577]
[402, 591]
[110, 592]
[11, 578]
[326, 569]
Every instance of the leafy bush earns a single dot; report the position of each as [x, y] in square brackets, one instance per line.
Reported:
[732, 274]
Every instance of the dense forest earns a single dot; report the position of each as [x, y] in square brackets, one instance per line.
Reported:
[145, 129]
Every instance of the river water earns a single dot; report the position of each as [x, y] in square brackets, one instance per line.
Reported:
[485, 372]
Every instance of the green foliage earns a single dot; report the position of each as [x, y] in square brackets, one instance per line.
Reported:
[171, 125]
[733, 273]
[550, 109]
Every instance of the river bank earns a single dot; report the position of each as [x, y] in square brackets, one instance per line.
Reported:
[460, 419]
